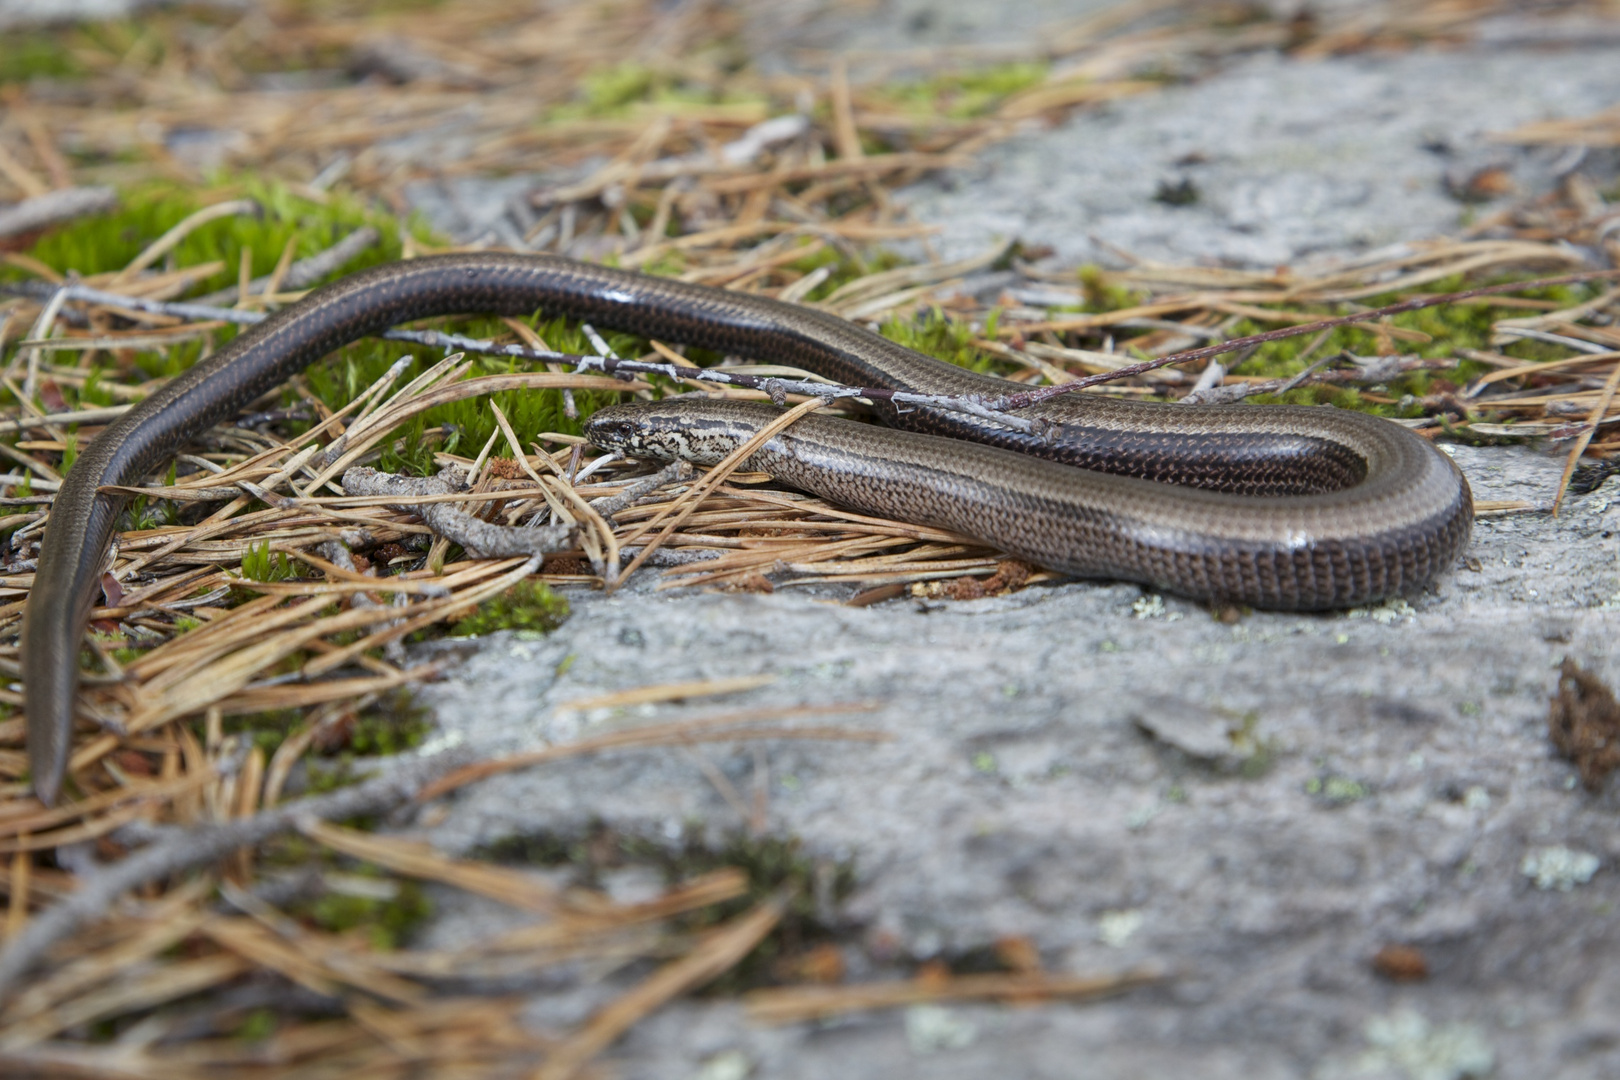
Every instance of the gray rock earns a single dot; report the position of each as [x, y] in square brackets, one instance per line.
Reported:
[1216, 737]
[1406, 777]
[1286, 159]
[1117, 776]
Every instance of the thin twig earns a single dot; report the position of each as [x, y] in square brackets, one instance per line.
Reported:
[480, 538]
[55, 207]
[304, 272]
[189, 848]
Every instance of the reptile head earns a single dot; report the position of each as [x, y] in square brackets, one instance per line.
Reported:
[699, 431]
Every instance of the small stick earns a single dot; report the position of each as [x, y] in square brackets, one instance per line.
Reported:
[673, 472]
[480, 538]
[54, 207]
[304, 272]
[188, 848]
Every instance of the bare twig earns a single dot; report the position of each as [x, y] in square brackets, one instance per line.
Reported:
[674, 472]
[188, 848]
[55, 207]
[304, 272]
[480, 538]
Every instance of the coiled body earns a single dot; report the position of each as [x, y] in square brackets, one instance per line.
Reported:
[1411, 516]
[1370, 509]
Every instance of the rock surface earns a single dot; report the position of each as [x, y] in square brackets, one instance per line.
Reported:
[1258, 808]
[1285, 160]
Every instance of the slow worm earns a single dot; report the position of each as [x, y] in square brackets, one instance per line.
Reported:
[1275, 506]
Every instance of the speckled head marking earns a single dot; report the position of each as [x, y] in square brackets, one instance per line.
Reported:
[671, 435]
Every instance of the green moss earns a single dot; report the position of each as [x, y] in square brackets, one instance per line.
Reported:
[267, 730]
[963, 94]
[324, 779]
[386, 920]
[938, 335]
[257, 1026]
[109, 241]
[143, 513]
[772, 865]
[1335, 790]
[331, 9]
[1102, 294]
[37, 54]
[93, 393]
[1449, 328]
[609, 88]
[394, 724]
[464, 426]
[528, 605]
[1183, 192]
[615, 90]
[391, 725]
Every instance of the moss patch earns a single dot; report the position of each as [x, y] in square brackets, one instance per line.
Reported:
[528, 605]
[942, 337]
[107, 242]
[770, 863]
[395, 723]
[37, 54]
[464, 426]
[963, 95]
[385, 920]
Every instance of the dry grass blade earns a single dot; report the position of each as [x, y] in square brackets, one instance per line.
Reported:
[711, 958]
[147, 989]
[688, 503]
[157, 931]
[1599, 411]
[404, 408]
[421, 861]
[708, 729]
[28, 816]
[1598, 129]
[315, 962]
[650, 695]
[798, 1004]
[171, 239]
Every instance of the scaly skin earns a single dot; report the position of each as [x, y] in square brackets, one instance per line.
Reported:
[1372, 509]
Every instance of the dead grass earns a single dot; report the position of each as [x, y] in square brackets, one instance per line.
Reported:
[656, 117]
